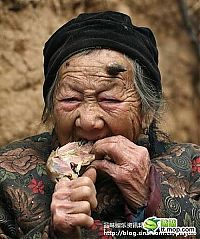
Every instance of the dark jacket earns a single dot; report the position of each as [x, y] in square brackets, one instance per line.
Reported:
[26, 189]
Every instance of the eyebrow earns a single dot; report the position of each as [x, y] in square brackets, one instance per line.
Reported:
[114, 69]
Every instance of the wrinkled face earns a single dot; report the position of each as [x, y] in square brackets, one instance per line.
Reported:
[96, 98]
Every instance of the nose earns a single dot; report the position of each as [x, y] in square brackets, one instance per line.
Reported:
[89, 119]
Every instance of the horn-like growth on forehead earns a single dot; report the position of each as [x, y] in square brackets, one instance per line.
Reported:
[114, 69]
[102, 30]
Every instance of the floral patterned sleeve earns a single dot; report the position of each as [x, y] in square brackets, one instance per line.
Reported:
[180, 184]
[25, 189]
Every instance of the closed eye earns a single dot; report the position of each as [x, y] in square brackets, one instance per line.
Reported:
[110, 100]
[72, 100]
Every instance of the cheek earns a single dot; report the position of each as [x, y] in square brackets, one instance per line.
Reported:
[64, 123]
[126, 120]
[135, 112]
[136, 119]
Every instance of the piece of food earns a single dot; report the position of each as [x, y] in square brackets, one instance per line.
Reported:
[70, 160]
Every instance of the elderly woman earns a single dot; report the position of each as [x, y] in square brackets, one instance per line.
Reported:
[102, 85]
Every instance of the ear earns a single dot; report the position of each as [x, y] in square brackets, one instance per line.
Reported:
[147, 119]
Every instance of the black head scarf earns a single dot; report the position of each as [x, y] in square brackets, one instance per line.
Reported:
[106, 30]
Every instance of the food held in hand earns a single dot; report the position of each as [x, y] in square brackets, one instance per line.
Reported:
[70, 160]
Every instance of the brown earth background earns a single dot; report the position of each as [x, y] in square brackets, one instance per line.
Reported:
[25, 26]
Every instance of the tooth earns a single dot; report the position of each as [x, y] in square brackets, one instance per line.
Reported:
[82, 142]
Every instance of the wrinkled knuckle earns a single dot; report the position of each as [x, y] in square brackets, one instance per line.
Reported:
[62, 183]
[60, 195]
[114, 146]
[54, 196]
[68, 205]
[96, 146]
[104, 164]
[70, 220]
[121, 137]
[87, 206]
[57, 220]
[87, 181]
[144, 151]
[87, 190]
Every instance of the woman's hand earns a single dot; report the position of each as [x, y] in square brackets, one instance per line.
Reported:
[71, 205]
[129, 169]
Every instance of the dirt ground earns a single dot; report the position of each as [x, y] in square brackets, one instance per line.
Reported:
[25, 25]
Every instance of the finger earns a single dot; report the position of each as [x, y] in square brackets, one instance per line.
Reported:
[91, 173]
[64, 221]
[82, 181]
[100, 147]
[121, 174]
[84, 193]
[80, 219]
[70, 207]
[62, 194]
[63, 183]
[83, 190]
[115, 147]
[106, 166]
[122, 151]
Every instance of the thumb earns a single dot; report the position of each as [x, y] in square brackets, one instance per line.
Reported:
[91, 173]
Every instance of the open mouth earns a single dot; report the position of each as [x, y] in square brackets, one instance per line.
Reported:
[90, 139]
[85, 141]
